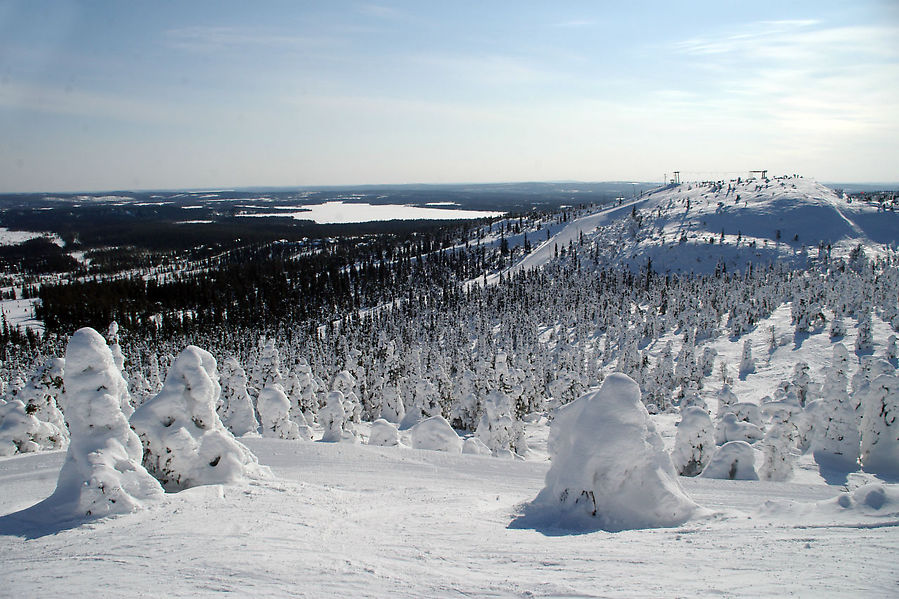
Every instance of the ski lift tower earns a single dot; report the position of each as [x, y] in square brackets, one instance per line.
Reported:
[676, 178]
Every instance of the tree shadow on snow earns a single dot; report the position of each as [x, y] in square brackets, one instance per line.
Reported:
[799, 338]
[552, 523]
[833, 476]
[37, 521]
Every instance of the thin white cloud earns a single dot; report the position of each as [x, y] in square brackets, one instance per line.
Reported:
[381, 11]
[64, 100]
[489, 69]
[210, 38]
[575, 23]
[804, 77]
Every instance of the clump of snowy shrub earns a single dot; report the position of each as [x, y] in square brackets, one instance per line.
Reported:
[102, 473]
[735, 460]
[609, 466]
[436, 434]
[384, 434]
[694, 443]
[185, 443]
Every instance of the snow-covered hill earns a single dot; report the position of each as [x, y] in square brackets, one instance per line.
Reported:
[697, 226]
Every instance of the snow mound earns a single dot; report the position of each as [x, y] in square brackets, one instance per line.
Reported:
[102, 473]
[185, 443]
[609, 466]
[735, 460]
[436, 434]
[383, 433]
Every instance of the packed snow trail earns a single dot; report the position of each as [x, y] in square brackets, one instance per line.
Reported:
[571, 233]
[348, 520]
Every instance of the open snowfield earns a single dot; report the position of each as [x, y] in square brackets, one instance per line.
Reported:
[351, 520]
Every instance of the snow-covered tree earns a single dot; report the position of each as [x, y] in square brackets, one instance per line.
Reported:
[836, 434]
[336, 422]
[879, 438]
[267, 370]
[694, 443]
[185, 443]
[864, 341]
[235, 407]
[726, 398]
[41, 396]
[274, 414]
[102, 473]
[436, 434]
[497, 428]
[735, 460]
[609, 466]
[747, 363]
[779, 453]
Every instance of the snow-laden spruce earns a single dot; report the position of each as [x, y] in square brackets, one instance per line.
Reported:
[336, 420]
[102, 473]
[880, 426]
[33, 421]
[694, 443]
[609, 466]
[274, 415]
[235, 407]
[185, 443]
[497, 429]
[836, 437]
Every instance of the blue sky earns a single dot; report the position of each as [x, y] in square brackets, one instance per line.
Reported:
[100, 95]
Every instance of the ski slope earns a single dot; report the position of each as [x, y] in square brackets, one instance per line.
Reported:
[349, 520]
[570, 233]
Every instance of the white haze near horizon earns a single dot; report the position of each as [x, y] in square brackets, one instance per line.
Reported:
[338, 212]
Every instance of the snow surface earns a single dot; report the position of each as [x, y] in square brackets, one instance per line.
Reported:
[345, 520]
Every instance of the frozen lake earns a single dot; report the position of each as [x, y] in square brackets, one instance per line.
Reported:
[343, 212]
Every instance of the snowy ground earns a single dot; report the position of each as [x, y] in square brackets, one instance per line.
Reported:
[350, 520]
[20, 313]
